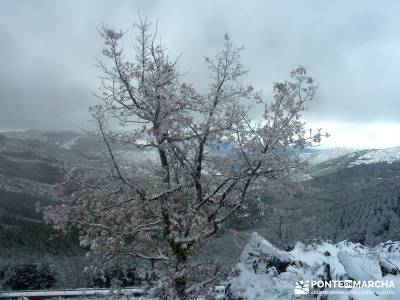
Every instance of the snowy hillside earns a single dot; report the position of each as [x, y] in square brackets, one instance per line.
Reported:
[355, 157]
[264, 272]
[323, 155]
[388, 155]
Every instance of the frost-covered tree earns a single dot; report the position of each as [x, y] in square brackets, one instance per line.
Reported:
[165, 212]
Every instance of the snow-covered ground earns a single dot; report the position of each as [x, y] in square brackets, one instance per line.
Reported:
[264, 272]
[388, 155]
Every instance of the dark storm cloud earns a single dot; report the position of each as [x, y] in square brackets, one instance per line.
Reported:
[47, 51]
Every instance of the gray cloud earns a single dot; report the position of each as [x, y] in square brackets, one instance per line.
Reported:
[47, 51]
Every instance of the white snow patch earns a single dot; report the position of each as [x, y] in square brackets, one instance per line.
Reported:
[389, 155]
[360, 268]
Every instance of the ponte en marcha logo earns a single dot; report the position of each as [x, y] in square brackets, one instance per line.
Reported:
[305, 287]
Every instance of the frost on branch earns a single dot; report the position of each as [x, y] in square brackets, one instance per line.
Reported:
[165, 212]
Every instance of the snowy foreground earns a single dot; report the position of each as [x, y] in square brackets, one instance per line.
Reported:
[264, 272]
[321, 271]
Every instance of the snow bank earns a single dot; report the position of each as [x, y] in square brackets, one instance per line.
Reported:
[360, 268]
[265, 272]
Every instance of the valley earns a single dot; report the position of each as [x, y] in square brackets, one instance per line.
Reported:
[343, 194]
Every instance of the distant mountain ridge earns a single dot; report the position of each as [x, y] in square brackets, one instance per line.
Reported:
[365, 156]
[67, 139]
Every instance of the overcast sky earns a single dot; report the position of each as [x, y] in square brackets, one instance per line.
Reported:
[352, 48]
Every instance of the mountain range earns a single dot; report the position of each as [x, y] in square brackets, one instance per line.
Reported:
[342, 194]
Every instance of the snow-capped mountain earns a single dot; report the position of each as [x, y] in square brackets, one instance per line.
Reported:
[388, 155]
[323, 155]
[359, 157]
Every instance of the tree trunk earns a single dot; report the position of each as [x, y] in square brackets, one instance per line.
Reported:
[180, 280]
[180, 286]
